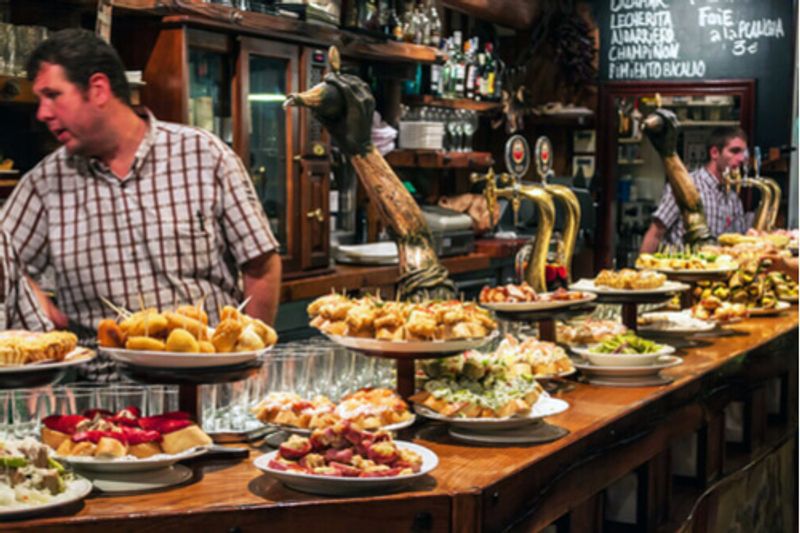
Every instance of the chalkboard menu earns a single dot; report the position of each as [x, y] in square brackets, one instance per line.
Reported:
[704, 39]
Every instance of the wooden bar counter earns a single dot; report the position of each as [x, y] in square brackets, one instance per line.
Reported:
[612, 432]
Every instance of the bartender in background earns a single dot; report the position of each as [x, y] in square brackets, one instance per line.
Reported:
[129, 208]
[726, 148]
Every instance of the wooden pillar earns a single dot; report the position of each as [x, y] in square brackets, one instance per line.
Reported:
[711, 449]
[587, 516]
[653, 492]
[754, 418]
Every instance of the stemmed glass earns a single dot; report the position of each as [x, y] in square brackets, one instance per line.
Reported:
[469, 125]
[454, 130]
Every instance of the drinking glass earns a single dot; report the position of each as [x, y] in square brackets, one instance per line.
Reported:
[161, 399]
[28, 407]
[74, 400]
[455, 129]
[469, 124]
[121, 397]
[5, 414]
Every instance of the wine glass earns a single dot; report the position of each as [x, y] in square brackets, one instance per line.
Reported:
[454, 130]
[470, 124]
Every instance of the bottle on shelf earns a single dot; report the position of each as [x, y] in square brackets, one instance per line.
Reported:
[422, 35]
[435, 32]
[470, 48]
[459, 68]
[409, 22]
[393, 28]
[480, 90]
[447, 70]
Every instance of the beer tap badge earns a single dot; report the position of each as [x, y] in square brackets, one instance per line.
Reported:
[518, 155]
[543, 152]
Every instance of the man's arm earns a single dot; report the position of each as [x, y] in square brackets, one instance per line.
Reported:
[652, 238]
[262, 284]
[58, 318]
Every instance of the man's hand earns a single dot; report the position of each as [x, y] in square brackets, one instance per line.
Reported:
[262, 284]
[781, 263]
[661, 128]
[56, 316]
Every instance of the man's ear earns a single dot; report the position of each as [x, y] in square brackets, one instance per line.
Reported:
[713, 153]
[99, 89]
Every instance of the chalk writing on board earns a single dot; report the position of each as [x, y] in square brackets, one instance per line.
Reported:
[643, 42]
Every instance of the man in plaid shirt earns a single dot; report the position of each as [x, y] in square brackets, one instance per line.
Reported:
[129, 208]
[726, 148]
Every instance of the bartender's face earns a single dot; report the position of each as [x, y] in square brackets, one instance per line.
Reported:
[732, 155]
[68, 111]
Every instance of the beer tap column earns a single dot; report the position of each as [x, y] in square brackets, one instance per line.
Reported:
[543, 151]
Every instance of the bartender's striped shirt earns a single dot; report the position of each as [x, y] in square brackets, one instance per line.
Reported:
[724, 211]
[171, 231]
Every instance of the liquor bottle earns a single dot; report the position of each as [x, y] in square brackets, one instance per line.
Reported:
[459, 67]
[409, 22]
[393, 28]
[368, 16]
[480, 78]
[435, 25]
[447, 70]
[471, 67]
[422, 35]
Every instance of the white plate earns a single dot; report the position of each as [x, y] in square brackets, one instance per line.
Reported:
[409, 347]
[531, 434]
[77, 489]
[113, 483]
[760, 311]
[539, 305]
[78, 356]
[545, 406]
[129, 464]
[181, 360]
[343, 486]
[675, 323]
[698, 272]
[667, 288]
[307, 431]
[665, 361]
[622, 359]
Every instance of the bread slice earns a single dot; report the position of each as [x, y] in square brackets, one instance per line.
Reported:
[108, 447]
[53, 438]
[184, 439]
[144, 449]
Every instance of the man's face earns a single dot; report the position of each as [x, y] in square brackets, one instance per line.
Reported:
[65, 108]
[732, 155]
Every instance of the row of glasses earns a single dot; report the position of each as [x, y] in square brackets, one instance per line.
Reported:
[308, 368]
[17, 42]
[21, 410]
[459, 124]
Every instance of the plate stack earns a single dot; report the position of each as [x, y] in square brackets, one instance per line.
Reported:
[375, 253]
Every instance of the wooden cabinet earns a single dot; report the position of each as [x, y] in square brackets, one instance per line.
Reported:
[234, 85]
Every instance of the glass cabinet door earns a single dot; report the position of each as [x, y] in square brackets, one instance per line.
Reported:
[209, 92]
[210, 75]
[269, 73]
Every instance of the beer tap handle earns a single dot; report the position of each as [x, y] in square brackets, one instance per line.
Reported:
[489, 192]
[757, 161]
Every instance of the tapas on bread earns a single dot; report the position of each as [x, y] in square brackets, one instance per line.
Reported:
[343, 450]
[367, 409]
[186, 330]
[478, 385]
[373, 318]
[19, 347]
[126, 434]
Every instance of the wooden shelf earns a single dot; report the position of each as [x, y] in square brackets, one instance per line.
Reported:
[568, 121]
[439, 159]
[459, 103]
[708, 123]
[219, 17]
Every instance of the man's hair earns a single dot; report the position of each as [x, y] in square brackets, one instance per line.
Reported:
[81, 54]
[722, 135]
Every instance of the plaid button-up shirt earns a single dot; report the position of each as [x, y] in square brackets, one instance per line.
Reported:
[172, 230]
[724, 211]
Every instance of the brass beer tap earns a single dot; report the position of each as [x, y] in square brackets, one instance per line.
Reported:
[776, 202]
[765, 203]
[543, 153]
[517, 159]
